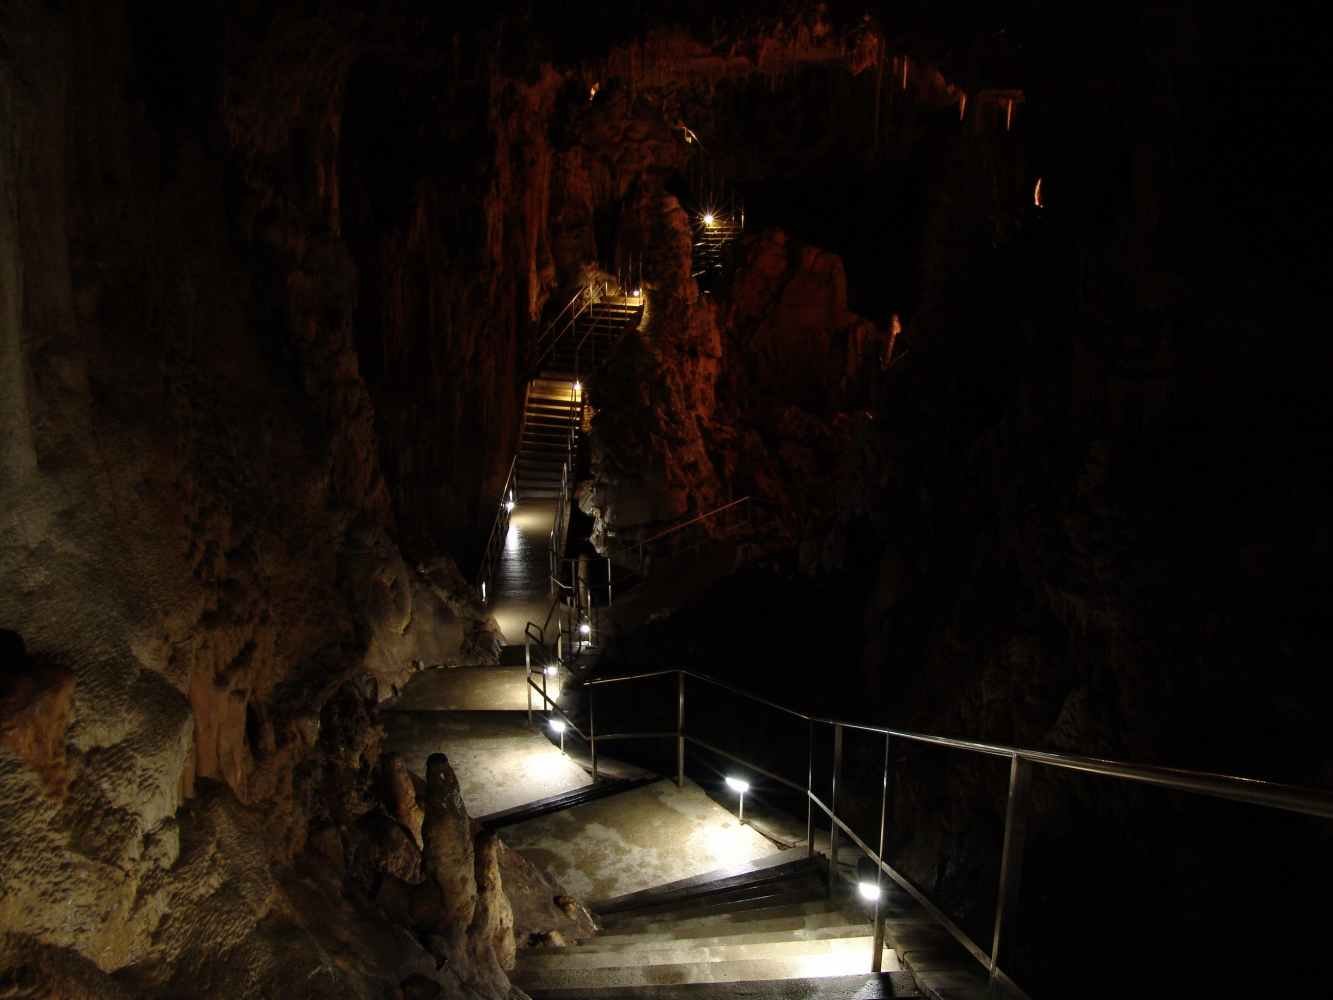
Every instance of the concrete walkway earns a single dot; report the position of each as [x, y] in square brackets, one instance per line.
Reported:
[500, 762]
[522, 577]
[642, 838]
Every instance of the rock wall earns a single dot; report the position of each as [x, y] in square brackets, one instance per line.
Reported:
[204, 593]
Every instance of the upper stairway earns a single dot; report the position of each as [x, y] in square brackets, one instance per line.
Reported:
[593, 335]
[552, 415]
[713, 232]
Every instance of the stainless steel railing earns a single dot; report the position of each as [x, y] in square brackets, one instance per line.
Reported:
[499, 528]
[1289, 798]
[727, 519]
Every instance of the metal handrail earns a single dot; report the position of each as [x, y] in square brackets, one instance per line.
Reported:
[1289, 798]
[548, 337]
[638, 548]
[499, 528]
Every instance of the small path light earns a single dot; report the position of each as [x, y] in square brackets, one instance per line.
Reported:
[740, 787]
[585, 629]
[708, 218]
[558, 726]
[552, 670]
[867, 879]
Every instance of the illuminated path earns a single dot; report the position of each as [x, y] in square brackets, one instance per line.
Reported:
[521, 577]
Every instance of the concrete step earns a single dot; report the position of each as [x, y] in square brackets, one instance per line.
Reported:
[789, 914]
[695, 952]
[834, 925]
[798, 960]
[729, 901]
[604, 788]
[776, 867]
[474, 689]
[868, 987]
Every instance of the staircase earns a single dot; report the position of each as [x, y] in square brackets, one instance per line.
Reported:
[713, 231]
[593, 336]
[550, 415]
[767, 929]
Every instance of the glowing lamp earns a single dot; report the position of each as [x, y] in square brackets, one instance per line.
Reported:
[868, 890]
[509, 505]
[740, 787]
[708, 218]
[578, 386]
[551, 671]
[483, 591]
[585, 629]
[558, 726]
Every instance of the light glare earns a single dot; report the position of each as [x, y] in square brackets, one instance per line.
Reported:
[869, 891]
[557, 725]
[585, 629]
[737, 785]
[552, 670]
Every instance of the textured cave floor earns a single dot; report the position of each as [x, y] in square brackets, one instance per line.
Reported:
[521, 579]
[638, 839]
[500, 762]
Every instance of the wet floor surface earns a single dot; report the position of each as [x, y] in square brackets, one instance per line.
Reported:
[500, 762]
[638, 839]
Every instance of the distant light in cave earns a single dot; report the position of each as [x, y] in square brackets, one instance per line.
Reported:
[552, 670]
[1036, 193]
[557, 726]
[509, 505]
[585, 629]
[592, 91]
[637, 293]
[483, 591]
[578, 387]
[869, 891]
[708, 218]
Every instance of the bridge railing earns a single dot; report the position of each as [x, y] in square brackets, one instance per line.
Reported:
[1022, 762]
[686, 536]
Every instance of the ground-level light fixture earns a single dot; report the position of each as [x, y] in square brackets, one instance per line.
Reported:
[552, 670]
[578, 386]
[558, 727]
[708, 218]
[867, 879]
[585, 628]
[740, 787]
[483, 591]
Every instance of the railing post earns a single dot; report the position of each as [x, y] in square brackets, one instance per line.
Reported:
[1011, 864]
[680, 729]
[527, 681]
[809, 792]
[877, 959]
[833, 808]
[592, 730]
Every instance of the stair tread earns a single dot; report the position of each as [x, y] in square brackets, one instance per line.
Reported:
[749, 916]
[808, 966]
[838, 926]
[863, 987]
[691, 953]
[776, 865]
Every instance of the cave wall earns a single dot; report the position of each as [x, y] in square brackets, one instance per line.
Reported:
[201, 547]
